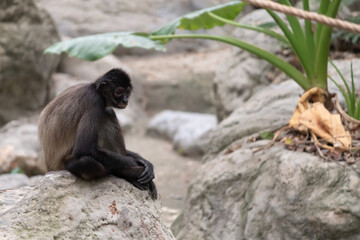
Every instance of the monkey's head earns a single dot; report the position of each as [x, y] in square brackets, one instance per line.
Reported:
[115, 86]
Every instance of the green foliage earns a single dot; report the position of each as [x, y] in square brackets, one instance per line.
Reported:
[267, 135]
[351, 100]
[97, 46]
[311, 47]
[201, 19]
[16, 170]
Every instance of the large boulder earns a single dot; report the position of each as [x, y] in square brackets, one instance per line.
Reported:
[19, 147]
[62, 206]
[188, 131]
[62, 81]
[267, 110]
[271, 194]
[242, 73]
[11, 181]
[180, 82]
[243, 193]
[76, 17]
[25, 71]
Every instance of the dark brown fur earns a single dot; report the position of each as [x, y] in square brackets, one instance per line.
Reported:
[79, 131]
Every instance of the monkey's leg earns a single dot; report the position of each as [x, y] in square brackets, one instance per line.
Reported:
[128, 166]
[119, 165]
[85, 167]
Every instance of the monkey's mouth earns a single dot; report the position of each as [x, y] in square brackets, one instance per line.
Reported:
[121, 105]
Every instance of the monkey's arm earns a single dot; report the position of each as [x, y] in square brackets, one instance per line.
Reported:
[127, 166]
[82, 161]
[87, 132]
[148, 173]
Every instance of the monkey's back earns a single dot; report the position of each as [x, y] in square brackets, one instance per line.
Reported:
[58, 124]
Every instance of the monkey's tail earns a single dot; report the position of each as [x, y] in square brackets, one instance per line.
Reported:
[153, 191]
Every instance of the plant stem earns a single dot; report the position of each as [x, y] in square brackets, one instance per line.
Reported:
[254, 28]
[288, 69]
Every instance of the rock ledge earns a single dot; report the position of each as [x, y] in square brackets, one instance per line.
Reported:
[62, 206]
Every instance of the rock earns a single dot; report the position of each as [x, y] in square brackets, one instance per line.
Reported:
[268, 110]
[272, 194]
[19, 147]
[10, 181]
[188, 131]
[90, 71]
[65, 207]
[61, 81]
[242, 73]
[126, 122]
[200, 4]
[75, 18]
[180, 82]
[25, 72]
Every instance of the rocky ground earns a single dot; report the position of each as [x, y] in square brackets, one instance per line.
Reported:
[173, 172]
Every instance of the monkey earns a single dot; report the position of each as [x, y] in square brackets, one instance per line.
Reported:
[79, 132]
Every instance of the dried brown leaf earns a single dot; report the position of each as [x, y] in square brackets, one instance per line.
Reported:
[326, 126]
[317, 120]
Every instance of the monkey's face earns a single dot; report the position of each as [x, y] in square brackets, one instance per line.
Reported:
[120, 97]
[115, 87]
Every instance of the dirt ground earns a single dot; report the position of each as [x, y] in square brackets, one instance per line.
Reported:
[172, 171]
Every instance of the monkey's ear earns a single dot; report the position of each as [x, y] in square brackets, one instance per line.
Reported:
[100, 84]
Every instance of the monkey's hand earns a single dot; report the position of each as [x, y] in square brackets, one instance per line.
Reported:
[151, 188]
[138, 185]
[148, 173]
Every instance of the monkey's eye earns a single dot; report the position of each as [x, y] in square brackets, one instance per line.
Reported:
[118, 91]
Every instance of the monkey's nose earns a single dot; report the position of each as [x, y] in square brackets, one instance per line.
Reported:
[125, 99]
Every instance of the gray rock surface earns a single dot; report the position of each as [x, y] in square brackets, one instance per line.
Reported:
[62, 206]
[242, 73]
[25, 71]
[75, 17]
[11, 181]
[61, 81]
[19, 147]
[267, 110]
[180, 82]
[187, 131]
[199, 4]
[90, 71]
[271, 194]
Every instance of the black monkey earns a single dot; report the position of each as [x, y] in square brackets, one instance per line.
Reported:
[79, 131]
